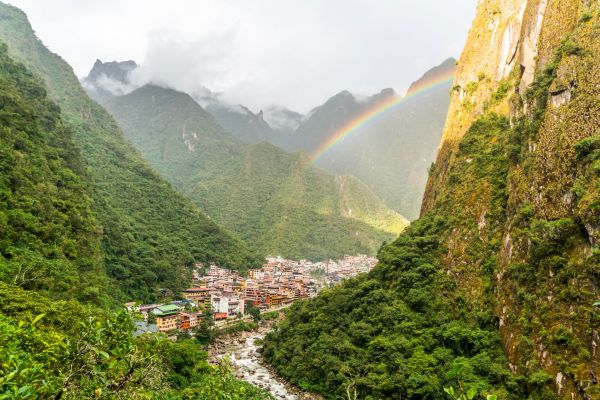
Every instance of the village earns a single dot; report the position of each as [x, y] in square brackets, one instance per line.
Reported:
[223, 295]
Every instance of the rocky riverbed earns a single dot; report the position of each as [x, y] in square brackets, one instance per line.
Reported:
[242, 351]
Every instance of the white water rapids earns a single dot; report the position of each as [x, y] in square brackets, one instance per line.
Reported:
[244, 358]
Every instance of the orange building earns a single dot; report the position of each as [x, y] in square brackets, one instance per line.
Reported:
[166, 317]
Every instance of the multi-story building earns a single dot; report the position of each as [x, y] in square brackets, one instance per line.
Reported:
[227, 304]
[166, 317]
[199, 295]
[189, 320]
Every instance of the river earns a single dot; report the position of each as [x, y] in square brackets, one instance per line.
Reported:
[241, 349]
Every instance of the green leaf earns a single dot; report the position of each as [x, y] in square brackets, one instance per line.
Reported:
[471, 393]
[36, 319]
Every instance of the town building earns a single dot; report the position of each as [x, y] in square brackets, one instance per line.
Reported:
[228, 295]
[166, 317]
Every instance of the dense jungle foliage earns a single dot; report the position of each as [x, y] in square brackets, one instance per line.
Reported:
[51, 347]
[493, 289]
[49, 235]
[149, 232]
[386, 334]
[64, 350]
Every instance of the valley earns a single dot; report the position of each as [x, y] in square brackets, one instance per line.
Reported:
[240, 212]
[275, 201]
[241, 351]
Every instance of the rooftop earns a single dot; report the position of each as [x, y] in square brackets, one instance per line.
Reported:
[166, 309]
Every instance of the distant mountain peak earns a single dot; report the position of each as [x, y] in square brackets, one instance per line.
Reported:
[384, 94]
[117, 70]
[387, 92]
[344, 94]
[109, 79]
[283, 120]
[447, 66]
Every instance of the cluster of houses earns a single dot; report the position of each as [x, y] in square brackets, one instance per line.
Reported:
[224, 294]
[329, 273]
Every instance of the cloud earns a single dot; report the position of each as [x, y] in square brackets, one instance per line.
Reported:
[113, 86]
[186, 63]
[283, 119]
[260, 52]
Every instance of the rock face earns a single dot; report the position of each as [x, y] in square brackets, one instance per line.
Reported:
[536, 65]
[109, 79]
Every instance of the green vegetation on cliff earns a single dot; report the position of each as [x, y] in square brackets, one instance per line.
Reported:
[277, 202]
[494, 286]
[404, 329]
[52, 346]
[149, 232]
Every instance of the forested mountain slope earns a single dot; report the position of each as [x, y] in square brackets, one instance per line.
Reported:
[49, 235]
[241, 122]
[391, 153]
[493, 288]
[148, 231]
[51, 345]
[276, 201]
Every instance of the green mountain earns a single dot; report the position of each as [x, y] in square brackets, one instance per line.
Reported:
[241, 122]
[277, 202]
[494, 290]
[50, 244]
[148, 232]
[392, 153]
[49, 234]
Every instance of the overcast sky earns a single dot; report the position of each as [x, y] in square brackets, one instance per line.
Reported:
[260, 52]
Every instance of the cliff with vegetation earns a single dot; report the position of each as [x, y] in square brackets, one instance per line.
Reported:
[275, 201]
[148, 232]
[49, 234]
[519, 161]
[493, 288]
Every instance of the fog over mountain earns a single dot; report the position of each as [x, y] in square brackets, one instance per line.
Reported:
[391, 155]
[260, 53]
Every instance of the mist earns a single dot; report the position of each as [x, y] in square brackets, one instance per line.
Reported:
[260, 53]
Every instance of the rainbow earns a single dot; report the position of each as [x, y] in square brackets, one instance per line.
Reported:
[380, 109]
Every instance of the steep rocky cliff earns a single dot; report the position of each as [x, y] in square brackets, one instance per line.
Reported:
[518, 171]
[493, 289]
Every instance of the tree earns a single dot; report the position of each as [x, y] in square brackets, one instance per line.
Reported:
[254, 312]
[205, 332]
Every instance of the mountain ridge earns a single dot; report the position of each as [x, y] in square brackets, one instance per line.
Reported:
[150, 232]
[272, 199]
[408, 134]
